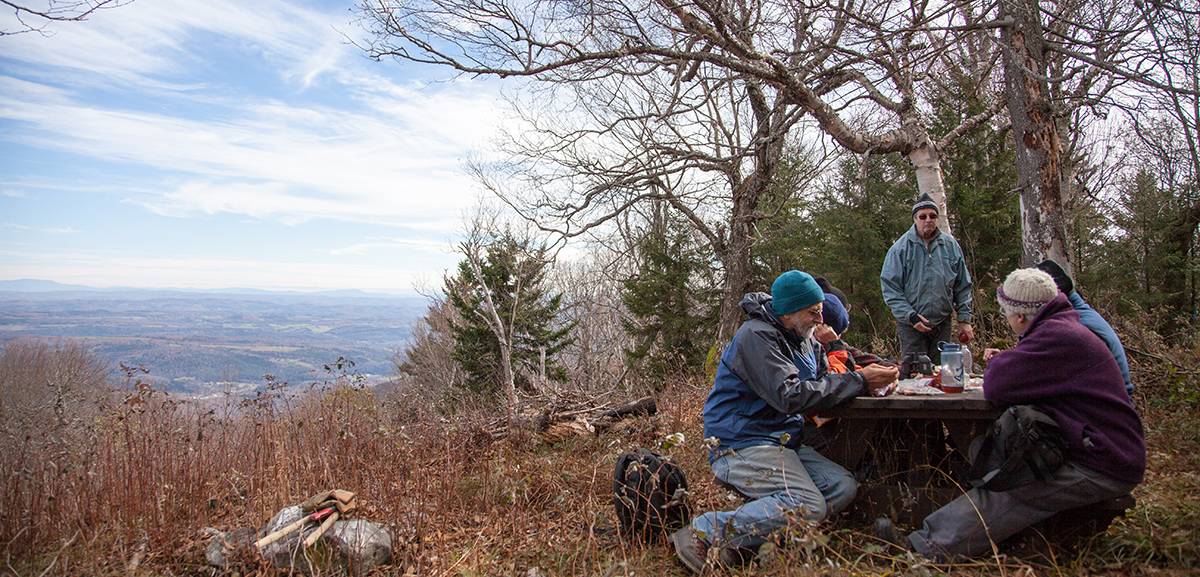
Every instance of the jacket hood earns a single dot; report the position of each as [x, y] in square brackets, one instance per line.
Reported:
[758, 306]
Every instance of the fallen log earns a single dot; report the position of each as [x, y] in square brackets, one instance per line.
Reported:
[578, 421]
[643, 406]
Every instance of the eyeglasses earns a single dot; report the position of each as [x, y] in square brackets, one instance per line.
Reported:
[814, 310]
[927, 217]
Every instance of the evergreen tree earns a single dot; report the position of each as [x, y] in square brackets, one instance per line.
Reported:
[1142, 263]
[512, 272]
[672, 301]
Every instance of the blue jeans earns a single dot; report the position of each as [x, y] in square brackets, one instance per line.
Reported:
[778, 480]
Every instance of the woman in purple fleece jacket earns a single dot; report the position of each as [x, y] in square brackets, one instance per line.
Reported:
[1064, 370]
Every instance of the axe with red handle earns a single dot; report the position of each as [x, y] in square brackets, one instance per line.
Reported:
[344, 502]
[318, 515]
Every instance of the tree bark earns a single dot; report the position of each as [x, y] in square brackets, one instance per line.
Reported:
[737, 263]
[747, 192]
[1038, 146]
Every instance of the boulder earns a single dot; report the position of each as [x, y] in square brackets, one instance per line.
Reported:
[288, 551]
[363, 543]
[350, 547]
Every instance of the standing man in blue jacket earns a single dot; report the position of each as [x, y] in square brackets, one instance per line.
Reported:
[1090, 318]
[772, 372]
[926, 284]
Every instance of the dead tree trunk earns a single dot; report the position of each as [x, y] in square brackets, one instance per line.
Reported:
[1039, 149]
[500, 331]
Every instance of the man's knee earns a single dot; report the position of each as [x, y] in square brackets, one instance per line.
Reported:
[841, 494]
[821, 505]
[812, 506]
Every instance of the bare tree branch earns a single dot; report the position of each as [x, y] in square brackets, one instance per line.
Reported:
[35, 18]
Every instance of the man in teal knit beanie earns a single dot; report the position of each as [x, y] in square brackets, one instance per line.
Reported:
[772, 372]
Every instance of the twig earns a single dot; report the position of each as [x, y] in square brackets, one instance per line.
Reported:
[461, 558]
[54, 561]
[8, 550]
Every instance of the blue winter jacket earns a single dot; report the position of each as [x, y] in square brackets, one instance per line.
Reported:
[930, 281]
[767, 378]
[1096, 323]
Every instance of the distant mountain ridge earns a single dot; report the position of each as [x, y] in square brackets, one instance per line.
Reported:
[33, 285]
[29, 285]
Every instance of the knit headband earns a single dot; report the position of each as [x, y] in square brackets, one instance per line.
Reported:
[1012, 302]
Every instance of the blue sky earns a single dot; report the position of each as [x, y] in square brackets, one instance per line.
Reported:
[173, 143]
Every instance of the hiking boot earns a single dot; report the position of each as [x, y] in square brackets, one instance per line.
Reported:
[736, 557]
[886, 530]
[691, 550]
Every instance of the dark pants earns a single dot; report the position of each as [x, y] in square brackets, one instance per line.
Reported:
[968, 525]
[914, 341]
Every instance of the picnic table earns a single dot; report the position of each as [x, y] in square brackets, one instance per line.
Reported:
[909, 452]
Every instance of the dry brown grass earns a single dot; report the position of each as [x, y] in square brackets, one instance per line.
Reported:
[133, 497]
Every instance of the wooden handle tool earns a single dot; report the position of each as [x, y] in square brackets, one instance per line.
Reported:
[312, 538]
[290, 527]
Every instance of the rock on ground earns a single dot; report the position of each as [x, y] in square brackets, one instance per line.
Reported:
[350, 547]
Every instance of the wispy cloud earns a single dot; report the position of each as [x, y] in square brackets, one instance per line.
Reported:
[294, 163]
[394, 153]
[390, 244]
[395, 160]
[44, 230]
[136, 101]
[148, 43]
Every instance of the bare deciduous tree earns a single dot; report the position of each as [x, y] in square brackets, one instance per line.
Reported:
[593, 304]
[1174, 49]
[428, 360]
[710, 149]
[855, 68]
[1065, 59]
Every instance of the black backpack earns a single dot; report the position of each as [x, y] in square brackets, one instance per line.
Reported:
[1023, 445]
[650, 495]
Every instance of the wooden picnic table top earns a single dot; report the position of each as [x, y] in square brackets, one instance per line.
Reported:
[969, 405]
